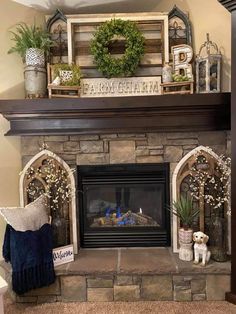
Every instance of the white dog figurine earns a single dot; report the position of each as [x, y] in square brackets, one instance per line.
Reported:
[200, 248]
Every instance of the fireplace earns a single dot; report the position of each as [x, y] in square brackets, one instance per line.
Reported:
[124, 205]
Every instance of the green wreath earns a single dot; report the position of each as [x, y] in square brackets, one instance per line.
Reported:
[134, 48]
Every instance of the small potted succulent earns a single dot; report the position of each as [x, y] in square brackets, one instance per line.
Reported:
[32, 43]
[183, 209]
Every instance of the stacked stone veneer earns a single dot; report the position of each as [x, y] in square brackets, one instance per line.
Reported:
[129, 148]
[131, 288]
[125, 148]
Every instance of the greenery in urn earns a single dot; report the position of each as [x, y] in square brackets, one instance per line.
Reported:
[183, 209]
[26, 37]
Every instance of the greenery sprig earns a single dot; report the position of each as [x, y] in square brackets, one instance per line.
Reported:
[107, 64]
[183, 209]
[56, 183]
[26, 37]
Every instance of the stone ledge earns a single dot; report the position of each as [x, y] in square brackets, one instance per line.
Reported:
[107, 280]
[153, 262]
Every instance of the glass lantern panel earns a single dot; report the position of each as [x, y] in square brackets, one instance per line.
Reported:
[202, 76]
[213, 74]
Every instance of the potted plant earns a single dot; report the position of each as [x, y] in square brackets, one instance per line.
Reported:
[32, 43]
[69, 74]
[183, 209]
[64, 80]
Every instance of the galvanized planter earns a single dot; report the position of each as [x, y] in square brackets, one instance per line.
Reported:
[35, 82]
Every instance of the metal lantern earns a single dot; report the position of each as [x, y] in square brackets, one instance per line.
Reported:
[208, 68]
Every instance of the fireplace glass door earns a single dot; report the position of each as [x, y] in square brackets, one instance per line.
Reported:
[124, 205]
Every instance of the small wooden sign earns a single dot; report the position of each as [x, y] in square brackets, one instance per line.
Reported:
[128, 86]
[63, 255]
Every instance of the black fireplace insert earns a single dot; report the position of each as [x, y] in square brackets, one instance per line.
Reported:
[124, 205]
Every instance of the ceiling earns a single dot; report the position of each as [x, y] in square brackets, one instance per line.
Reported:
[89, 6]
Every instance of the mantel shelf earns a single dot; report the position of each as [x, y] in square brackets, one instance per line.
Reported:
[197, 112]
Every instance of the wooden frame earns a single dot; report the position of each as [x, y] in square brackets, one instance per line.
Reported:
[177, 13]
[59, 91]
[72, 210]
[177, 88]
[180, 173]
[58, 15]
[91, 19]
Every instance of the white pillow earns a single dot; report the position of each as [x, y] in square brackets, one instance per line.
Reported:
[31, 217]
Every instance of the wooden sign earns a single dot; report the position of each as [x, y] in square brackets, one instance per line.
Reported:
[63, 255]
[129, 86]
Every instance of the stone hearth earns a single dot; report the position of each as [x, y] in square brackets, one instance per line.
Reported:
[112, 275]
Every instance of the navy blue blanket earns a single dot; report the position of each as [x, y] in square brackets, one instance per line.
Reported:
[30, 254]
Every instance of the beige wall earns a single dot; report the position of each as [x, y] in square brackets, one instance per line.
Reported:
[11, 86]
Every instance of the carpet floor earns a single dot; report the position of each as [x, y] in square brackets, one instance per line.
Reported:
[209, 307]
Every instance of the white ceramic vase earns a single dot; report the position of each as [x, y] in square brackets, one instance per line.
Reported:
[185, 236]
[65, 76]
[35, 57]
[167, 73]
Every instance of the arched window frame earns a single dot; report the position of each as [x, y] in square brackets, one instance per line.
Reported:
[176, 184]
[23, 199]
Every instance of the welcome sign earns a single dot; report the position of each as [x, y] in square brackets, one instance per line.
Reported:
[128, 86]
[62, 255]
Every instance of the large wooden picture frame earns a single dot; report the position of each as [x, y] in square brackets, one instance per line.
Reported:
[149, 22]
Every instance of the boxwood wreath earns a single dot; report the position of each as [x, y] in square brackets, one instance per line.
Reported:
[108, 65]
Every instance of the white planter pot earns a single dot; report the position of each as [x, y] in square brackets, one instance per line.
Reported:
[167, 73]
[35, 57]
[65, 76]
[185, 236]
[186, 252]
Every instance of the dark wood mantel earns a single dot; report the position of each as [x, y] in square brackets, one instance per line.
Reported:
[197, 112]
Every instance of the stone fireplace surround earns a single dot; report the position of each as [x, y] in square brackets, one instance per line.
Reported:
[111, 275]
[126, 148]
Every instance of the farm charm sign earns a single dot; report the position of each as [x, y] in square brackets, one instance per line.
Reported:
[129, 86]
